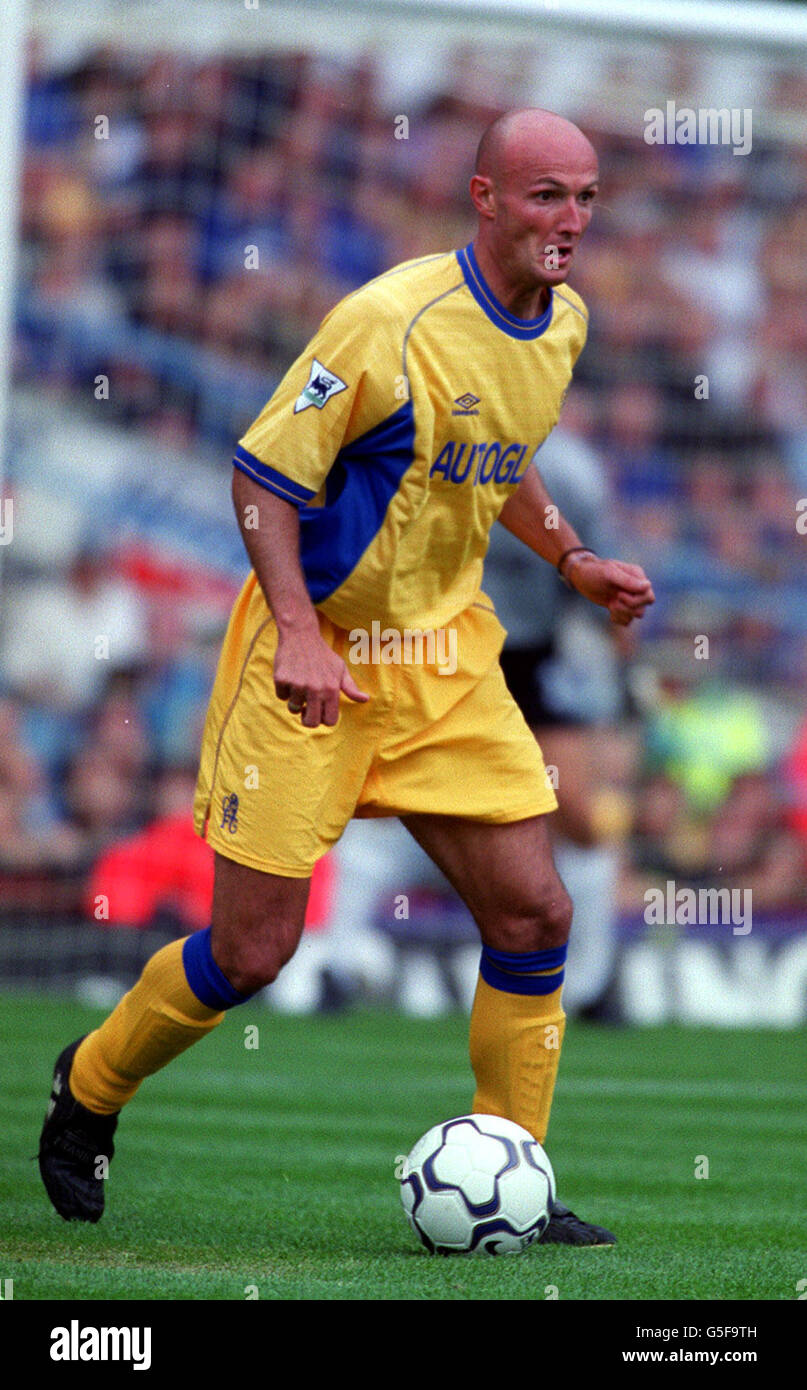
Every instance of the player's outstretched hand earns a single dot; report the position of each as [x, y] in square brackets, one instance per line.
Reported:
[623, 589]
[309, 678]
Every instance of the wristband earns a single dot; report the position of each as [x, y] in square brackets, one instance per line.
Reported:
[574, 550]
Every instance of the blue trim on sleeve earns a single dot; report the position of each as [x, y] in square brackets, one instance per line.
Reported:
[208, 983]
[270, 478]
[363, 480]
[480, 289]
[515, 980]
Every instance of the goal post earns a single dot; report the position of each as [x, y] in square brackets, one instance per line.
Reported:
[12, 71]
[248, 25]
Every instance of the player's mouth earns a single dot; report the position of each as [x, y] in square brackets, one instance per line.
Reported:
[557, 256]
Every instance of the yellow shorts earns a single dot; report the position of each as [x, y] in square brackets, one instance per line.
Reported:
[276, 796]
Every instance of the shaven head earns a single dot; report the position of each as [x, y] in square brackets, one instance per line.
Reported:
[528, 131]
[533, 187]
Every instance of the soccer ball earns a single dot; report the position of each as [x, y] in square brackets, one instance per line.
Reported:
[478, 1183]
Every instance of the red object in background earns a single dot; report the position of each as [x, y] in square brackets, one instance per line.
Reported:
[153, 573]
[795, 771]
[167, 866]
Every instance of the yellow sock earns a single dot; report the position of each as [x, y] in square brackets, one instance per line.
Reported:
[159, 1018]
[516, 1039]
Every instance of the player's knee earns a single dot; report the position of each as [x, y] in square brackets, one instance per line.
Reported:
[534, 926]
[251, 973]
[252, 964]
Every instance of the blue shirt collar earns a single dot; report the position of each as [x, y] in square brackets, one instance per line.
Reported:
[496, 312]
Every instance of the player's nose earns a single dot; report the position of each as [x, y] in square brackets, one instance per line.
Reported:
[571, 218]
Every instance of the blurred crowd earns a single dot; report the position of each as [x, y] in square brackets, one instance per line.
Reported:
[179, 213]
[100, 722]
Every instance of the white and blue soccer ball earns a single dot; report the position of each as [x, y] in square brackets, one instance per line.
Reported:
[478, 1184]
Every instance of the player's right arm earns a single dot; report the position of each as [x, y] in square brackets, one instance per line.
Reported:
[308, 674]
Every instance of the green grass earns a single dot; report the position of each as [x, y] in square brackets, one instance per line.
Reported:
[275, 1167]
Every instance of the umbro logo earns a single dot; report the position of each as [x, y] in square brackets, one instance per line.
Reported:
[466, 403]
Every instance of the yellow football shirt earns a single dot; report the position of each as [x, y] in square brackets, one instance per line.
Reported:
[402, 429]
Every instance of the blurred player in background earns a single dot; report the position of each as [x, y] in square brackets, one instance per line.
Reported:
[562, 666]
[365, 492]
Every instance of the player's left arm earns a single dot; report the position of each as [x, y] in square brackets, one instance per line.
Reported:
[530, 514]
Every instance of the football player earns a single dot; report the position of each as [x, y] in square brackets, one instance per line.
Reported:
[365, 492]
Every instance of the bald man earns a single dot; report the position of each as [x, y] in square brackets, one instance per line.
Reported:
[360, 671]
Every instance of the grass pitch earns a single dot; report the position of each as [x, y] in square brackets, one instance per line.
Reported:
[268, 1171]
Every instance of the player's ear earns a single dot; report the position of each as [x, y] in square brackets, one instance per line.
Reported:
[482, 195]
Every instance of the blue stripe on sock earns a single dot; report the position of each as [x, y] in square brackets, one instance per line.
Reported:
[515, 979]
[525, 962]
[208, 983]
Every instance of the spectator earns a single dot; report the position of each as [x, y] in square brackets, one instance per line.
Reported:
[706, 739]
[163, 874]
[62, 641]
